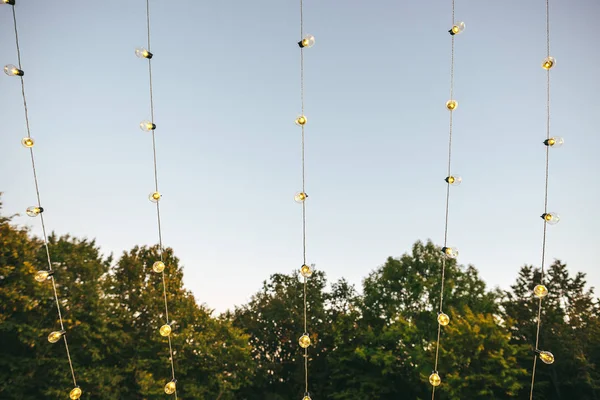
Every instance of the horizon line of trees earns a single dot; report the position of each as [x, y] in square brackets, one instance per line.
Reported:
[377, 344]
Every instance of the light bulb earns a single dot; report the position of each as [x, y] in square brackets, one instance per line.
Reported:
[551, 218]
[555, 141]
[11, 2]
[454, 180]
[55, 336]
[34, 211]
[12, 70]
[158, 266]
[451, 105]
[443, 319]
[308, 41]
[165, 330]
[141, 52]
[306, 271]
[27, 142]
[75, 393]
[547, 357]
[450, 252]
[548, 63]
[147, 126]
[170, 387]
[540, 291]
[306, 396]
[300, 120]
[300, 197]
[457, 28]
[304, 341]
[42, 275]
[435, 379]
[154, 197]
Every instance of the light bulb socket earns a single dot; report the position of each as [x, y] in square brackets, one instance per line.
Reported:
[148, 55]
[11, 2]
[300, 44]
[20, 72]
[445, 249]
[41, 209]
[447, 179]
[548, 143]
[152, 127]
[543, 216]
[50, 273]
[451, 32]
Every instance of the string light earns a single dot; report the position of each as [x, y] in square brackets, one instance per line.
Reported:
[451, 180]
[550, 218]
[304, 341]
[306, 271]
[300, 197]
[37, 210]
[158, 266]
[301, 120]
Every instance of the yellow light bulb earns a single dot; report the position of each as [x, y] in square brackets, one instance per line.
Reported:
[300, 197]
[27, 142]
[548, 63]
[457, 28]
[41, 276]
[454, 180]
[75, 393]
[154, 197]
[170, 387]
[55, 336]
[451, 105]
[555, 141]
[147, 126]
[158, 266]
[12, 70]
[540, 291]
[304, 341]
[141, 52]
[165, 330]
[306, 271]
[300, 120]
[306, 397]
[443, 319]
[435, 379]
[34, 211]
[308, 41]
[450, 252]
[551, 218]
[547, 357]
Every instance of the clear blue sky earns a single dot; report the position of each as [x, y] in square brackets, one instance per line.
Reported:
[227, 92]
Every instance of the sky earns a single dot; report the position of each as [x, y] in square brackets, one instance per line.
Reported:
[227, 91]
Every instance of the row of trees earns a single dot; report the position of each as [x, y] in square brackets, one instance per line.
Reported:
[376, 344]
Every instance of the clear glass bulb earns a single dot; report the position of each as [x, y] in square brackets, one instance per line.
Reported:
[451, 105]
[170, 387]
[454, 180]
[450, 252]
[306, 271]
[34, 211]
[443, 319]
[55, 336]
[457, 28]
[27, 142]
[141, 52]
[435, 379]
[548, 63]
[547, 357]
[304, 341]
[306, 396]
[42, 275]
[551, 218]
[75, 393]
[300, 197]
[308, 41]
[154, 197]
[158, 266]
[540, 291]
[165, 330]
[555, 141]
[147, 126]
[12, 70]
[301, 120]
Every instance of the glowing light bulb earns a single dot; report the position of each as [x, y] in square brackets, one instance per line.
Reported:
[141, 52]
[300, 197]
[540, 291]
[435, 379]
[443, 319]
[75, 393]
[301, 120]
[555, 141]
[158, 266]
[551, 218]
[11, 2]
[454, 180]
[450, 252]
[170, 387]
[154, 197]
[12, 70]
[548, 63]
[451, 105]
[147, 126]
[457, 28]
[27, 142]
[308, 41]
[55, 336]
[306, 271]
[34, 211]
[165, 330]
[304, 341]
[547, 357]
[42, 275]
[306, 396]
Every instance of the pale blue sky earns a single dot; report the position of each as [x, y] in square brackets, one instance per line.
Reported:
[227, 92]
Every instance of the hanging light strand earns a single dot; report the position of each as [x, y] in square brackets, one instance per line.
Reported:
[159, 266]
[451, 180]
[540, 291]
[28, 142]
